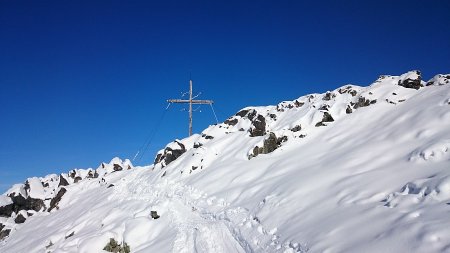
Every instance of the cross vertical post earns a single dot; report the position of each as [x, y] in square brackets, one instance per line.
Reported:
[191, 101]
[190, 107]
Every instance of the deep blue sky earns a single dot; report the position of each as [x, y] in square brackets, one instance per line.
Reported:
[84, 81]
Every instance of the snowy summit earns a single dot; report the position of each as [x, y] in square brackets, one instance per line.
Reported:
[356, 169]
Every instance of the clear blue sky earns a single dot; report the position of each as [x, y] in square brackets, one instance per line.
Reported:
[84, 81]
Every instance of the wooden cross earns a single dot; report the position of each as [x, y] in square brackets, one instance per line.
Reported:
[190, 102]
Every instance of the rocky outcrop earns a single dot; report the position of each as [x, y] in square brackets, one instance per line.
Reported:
[349, 89]
[258, 121]
[19, 219]
[208, 137]
[258, 126]
[439, 80]
[348, 110]
[326, 118]
[154, 215]
[62, 181]
[411, 80]
[21, 203]
[270, 144]
[94, 174]
[363, 102]
[6, 210]
[328, 96]
[231, 122]
[117, 167]
[44, 194]
[4, 233]
[242, 113]
[54, 202]
[170, 153]
[296, 128]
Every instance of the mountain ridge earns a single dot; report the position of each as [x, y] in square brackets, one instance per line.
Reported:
[301, 149]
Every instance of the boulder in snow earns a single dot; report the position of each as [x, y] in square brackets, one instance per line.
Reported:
[411, 80]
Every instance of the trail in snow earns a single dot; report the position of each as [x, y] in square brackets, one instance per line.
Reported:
[204, 223]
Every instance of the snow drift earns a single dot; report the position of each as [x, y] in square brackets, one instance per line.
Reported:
[356, 169]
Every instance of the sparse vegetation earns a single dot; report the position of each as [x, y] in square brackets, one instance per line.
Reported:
[114, 246]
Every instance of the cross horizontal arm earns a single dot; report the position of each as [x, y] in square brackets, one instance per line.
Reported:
[189, 101]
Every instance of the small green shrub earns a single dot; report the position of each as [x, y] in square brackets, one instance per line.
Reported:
[115, 247]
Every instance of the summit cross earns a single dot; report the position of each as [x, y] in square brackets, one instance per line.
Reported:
[191, 102]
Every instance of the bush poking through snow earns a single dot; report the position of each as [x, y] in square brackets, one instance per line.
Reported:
[114, 246]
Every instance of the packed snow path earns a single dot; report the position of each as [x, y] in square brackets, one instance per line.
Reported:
[204, 224]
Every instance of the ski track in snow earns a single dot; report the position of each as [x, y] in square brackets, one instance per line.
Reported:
[205, 224]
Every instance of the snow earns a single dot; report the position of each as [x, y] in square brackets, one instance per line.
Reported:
[412, 75]
[373, 180]
[36, 188]
[4, 200]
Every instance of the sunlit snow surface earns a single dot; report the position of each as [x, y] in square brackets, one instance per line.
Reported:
[373, 180]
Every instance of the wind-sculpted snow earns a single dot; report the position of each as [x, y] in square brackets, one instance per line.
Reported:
[356, 169]
[436, 151]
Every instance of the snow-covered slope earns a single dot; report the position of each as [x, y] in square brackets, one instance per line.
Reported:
[357, 169]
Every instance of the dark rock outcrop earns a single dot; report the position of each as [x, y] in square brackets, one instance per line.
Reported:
[256, 151]
[62, 181]
[77, 179]
[4, 233]
[169, 154]
[281, 140]
[328, 96]
[20, 219]
[363, 102]
[258, 126]
[324, 107]
[269, 145]
[242, 113]
[197, 144]
[92, 174]
[70, 235]
[442, 80]
[55, 201]
[7, 210]
[208, 137]
[298, 104]
[251, 114]
[412, 83]
[154, 215]
[28, 203]
[231, 122]
[117, 167]
[296, 128]
[326, 118]
[20, 203]
[72, 174]
[348, 110]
